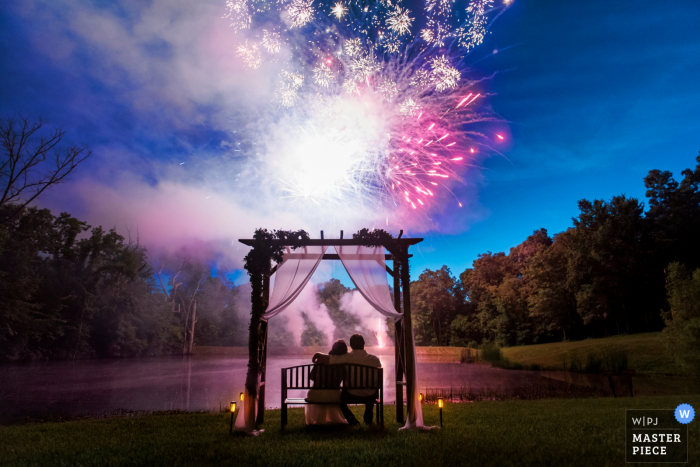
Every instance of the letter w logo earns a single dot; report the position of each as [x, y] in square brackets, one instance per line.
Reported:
[684, 413]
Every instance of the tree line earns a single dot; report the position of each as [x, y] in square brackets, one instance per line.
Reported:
[608, 274]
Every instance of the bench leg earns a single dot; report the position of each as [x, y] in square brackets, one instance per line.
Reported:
[381, 407]
[284, 415]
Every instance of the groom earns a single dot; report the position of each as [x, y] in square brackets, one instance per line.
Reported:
[358, 356]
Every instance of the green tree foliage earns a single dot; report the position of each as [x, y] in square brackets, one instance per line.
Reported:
[498, 287]
[434, 303]
[682, 332]
[311, 335]
[611, 267]
[674, 212]
[551, 304]
[70, 291]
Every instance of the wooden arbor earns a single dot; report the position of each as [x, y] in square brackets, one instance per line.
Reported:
[404, 355]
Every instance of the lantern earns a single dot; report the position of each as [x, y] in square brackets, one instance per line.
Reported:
[420, 397]
[241, 396]
[440, 404]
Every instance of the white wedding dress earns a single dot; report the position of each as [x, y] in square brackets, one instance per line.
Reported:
[324, 414]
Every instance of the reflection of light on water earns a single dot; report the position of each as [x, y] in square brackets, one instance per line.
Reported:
[380, 332]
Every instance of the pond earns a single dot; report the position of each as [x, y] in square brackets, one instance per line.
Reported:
[91, 387]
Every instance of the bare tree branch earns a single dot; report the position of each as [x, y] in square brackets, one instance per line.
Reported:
[32, 162]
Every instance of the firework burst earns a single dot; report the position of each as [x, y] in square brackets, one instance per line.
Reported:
[370, 114]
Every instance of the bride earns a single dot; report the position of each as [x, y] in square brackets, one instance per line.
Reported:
[326, 414]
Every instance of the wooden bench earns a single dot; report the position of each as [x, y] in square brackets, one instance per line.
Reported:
[328, 377]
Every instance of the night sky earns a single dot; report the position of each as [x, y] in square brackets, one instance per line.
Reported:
[596, 94]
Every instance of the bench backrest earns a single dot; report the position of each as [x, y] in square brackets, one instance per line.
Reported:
[328, 376]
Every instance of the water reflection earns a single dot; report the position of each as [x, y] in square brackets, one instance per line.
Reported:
[197, 383]
[92, 387]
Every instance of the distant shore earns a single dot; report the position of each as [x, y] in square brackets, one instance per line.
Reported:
[299, 351]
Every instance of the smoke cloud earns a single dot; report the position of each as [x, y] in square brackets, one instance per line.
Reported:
[180, 158]
[355, 304]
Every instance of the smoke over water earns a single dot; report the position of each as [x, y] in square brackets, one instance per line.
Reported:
[355, 304]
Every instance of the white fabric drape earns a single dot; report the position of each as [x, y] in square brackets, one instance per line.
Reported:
[414, 417]
[367, 269]
[245, 420]
[290, 278]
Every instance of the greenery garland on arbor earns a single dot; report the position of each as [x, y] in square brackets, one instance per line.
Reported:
[258, 264]
[377, 237]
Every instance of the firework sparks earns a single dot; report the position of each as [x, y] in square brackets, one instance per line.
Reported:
[239, 14]
[473, 34]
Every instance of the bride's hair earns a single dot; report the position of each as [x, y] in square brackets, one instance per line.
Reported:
[339, 348]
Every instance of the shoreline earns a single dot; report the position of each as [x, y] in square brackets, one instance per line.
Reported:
[299, 351]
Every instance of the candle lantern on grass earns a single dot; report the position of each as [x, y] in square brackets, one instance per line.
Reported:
[440, 404]
[420, 397]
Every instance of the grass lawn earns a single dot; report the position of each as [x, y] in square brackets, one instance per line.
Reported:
[646, 352]
[555, 432]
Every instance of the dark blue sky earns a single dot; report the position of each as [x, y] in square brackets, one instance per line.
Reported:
[598, 93]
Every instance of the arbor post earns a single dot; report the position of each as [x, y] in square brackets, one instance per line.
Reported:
[409, 352]
[398, 343]
[262, 353]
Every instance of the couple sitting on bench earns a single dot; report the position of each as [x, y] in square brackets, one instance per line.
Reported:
[317, 414]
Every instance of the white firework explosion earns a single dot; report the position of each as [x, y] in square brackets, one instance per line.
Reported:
[389, 90]
[250, 53]
[399, 22]
[287, 92]
[323, 75]
[363, 67]
[339, 10]
[352, 47]
[350, 86]
[443, 74]
[409, 108]
[272, 41]
[301, 12]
